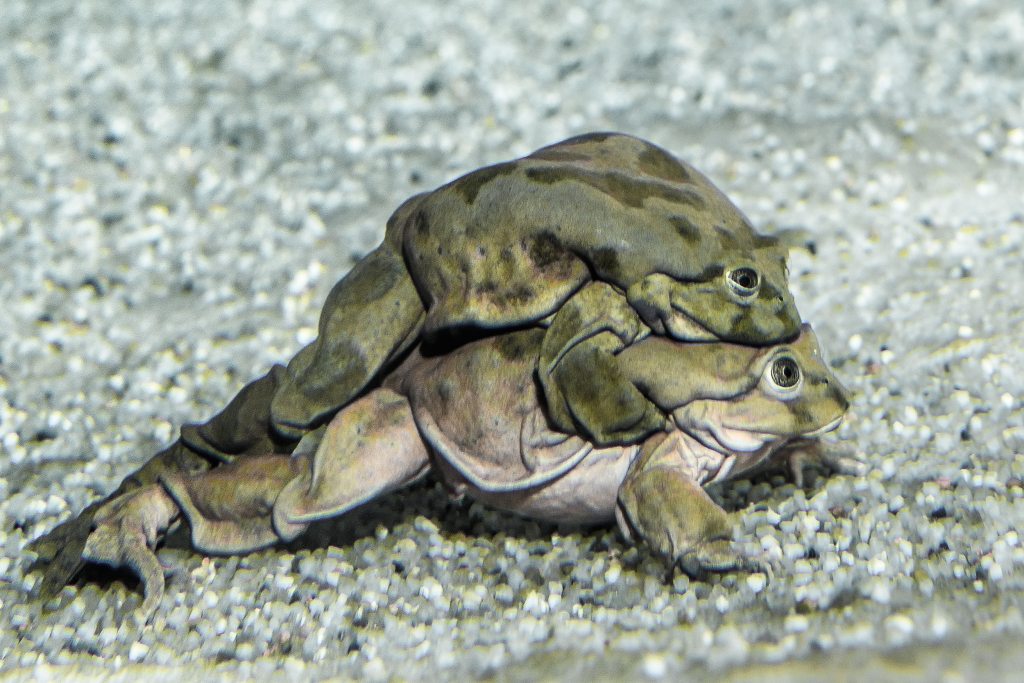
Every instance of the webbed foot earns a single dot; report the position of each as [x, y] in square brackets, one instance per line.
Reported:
[126, 530]
[802, 454]
[59, 553]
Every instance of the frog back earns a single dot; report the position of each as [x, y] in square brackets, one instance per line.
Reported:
[507, 244]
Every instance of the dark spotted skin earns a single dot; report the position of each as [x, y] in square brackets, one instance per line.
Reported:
[616, 209]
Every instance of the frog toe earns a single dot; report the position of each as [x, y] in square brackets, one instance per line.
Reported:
[59, 553]
[124, 534]
[720, 556]
[120, 545]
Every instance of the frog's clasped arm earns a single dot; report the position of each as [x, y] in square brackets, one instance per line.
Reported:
[584, 386]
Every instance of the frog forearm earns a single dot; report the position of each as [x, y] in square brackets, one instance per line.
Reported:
[661, 504]
[584, 387]
[589, 394]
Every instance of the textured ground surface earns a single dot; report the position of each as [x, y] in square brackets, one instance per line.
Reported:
[180, 184]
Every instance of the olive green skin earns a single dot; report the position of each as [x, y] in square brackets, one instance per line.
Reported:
[508, 244]
[503, 247]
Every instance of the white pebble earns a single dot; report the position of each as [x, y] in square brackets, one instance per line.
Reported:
[796, 623]
[654, 665]
[137, 651]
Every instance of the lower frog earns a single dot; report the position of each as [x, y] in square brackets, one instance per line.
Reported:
[476, 415]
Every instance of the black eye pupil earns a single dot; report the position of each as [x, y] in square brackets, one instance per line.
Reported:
[745, 279]
[785, 373]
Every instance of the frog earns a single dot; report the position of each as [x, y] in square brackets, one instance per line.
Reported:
[510, 244]
[500, 248]
[476, 416]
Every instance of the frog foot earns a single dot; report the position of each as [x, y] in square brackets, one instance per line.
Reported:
[804, 453]
[126, 530]
[718, 556]
[59, 553]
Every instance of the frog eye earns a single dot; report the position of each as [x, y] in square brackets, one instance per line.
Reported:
[785, 373]
[744, 281]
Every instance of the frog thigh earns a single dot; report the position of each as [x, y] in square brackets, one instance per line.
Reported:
[370, 448]
[229, 507]
[371, 316]
[584, 387]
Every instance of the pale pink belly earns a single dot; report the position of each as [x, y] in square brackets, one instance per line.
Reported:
[586, 494]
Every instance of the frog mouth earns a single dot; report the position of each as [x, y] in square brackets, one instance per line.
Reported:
[726, 439]
[683, 327]
[831, 426]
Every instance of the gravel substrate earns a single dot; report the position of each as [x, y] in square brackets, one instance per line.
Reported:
[182, 182]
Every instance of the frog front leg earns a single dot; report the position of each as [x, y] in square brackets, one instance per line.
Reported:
[662, 503]
[585, 390]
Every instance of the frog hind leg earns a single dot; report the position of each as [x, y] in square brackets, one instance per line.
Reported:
[370, 317]
[59, 551]
[229, 508]
[124, 532]
[272, 412]
[242, 428]
[370, 448]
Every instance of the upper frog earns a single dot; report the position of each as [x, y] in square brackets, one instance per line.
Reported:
[509, 243]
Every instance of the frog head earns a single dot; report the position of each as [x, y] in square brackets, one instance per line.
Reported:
[745, 298]
[791, 393]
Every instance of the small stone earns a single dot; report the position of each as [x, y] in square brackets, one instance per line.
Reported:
[654, 665]
[137, 652]
[796, 623]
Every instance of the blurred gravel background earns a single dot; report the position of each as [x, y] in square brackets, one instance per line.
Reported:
[181, 183]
